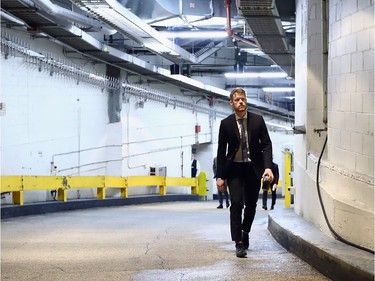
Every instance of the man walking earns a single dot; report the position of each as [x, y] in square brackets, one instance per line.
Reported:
[244, 156]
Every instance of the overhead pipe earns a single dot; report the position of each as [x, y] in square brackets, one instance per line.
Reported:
[58, 11]
[229, 23]
[4, 15]
[325, 60]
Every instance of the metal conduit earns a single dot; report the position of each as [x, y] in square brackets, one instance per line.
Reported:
[162, 97]
[12, 46]
[59, 12]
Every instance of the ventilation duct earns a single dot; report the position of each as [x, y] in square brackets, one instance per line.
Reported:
[263, 19]
[59, 12]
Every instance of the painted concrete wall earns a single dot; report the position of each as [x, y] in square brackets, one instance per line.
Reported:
[56, 124]
[347, 167]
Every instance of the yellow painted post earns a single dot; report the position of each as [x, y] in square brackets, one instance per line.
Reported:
[163, 187]
[194, 188]
[100, 193]
[13, 184]
[17, 197]
[287, 177]
[116, 182]
[202, 184]
[124, 192]
[162, 190]
[62, 195]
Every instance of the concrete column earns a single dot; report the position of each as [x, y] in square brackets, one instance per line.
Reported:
[346, 173]
[310, 97]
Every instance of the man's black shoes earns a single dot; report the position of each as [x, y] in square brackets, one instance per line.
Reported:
[219, 207]
[240, 250]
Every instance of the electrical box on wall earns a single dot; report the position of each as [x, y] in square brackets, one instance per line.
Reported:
[193, 150]
[158, 171]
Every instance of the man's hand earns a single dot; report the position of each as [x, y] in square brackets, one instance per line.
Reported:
[220, 184]
[267, 172]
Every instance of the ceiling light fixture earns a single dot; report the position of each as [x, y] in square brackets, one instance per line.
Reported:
[253, 51]
[195, 34]
[278, 89]
[161, 49]
[256, 75]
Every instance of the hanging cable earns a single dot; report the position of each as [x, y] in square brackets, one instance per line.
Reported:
[335, 234]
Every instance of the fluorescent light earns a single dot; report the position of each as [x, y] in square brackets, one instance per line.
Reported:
[195, 34]
[278, 89]
[160, 48]
[253, 51]
[241, 75]
[256, 75]
[272, 75]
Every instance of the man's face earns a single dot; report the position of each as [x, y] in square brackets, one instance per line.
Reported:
[239, 103]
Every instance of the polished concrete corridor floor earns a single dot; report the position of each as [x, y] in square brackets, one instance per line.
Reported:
[169, 241]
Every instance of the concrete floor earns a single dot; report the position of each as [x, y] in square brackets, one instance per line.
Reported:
[168, 241]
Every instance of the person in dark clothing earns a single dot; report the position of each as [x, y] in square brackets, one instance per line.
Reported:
[273, 187]
[244, 157]
[195, 167]
[220, 194]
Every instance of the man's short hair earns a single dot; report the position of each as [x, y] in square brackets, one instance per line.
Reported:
[238, 90]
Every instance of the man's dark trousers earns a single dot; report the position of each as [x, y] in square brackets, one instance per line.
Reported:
[244, 189]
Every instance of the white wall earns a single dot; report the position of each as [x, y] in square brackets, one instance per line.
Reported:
[347, 169]
[56, 120]
[160, 136]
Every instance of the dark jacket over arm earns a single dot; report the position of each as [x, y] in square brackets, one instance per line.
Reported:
[275, 172]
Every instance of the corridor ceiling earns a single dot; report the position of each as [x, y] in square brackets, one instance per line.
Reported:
[144, 37]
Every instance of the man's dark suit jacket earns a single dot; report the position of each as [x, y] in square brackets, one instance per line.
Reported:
[229, 142]
[275, 172]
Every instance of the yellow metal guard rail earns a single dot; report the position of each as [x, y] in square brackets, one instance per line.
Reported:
[287, 178]
[17, 185]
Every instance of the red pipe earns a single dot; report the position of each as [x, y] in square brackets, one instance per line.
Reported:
[229, 27]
